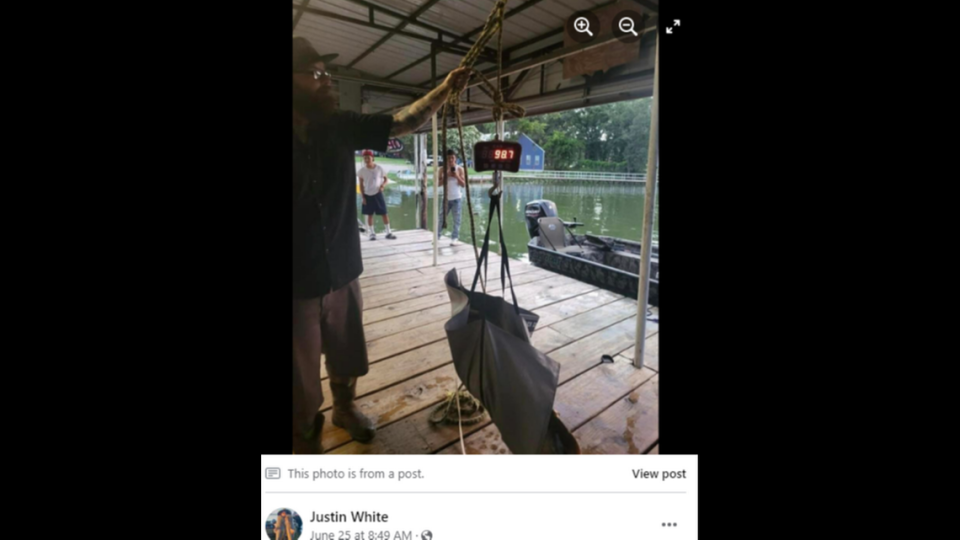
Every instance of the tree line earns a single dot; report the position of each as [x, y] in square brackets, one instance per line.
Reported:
[607, 138]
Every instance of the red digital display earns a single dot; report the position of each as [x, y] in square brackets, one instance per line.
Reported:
[497, 156]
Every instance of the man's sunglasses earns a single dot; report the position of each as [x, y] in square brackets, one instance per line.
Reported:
[317, 74]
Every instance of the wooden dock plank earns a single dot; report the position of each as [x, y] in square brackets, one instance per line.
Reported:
[414, 434]
[385, 260]
[372, 283]
[396, 402]
[651, 352]
[547, 339]
[402, 257]
[396, 369]
[412, 273]
[584, 354]
[409, 308]
[404, 245]
[406, 306]
[629, 426]
[544, 338]
[485, 441]
[403, 238]
[389, 267]
[409, 321]
[389, 248]
[400, 343]
[383, 283]
[529, 296]
[597, 319]
[588, 395]
[407, 341]
[545, 290]
[405, 291]
[578, 400]
[575, 306]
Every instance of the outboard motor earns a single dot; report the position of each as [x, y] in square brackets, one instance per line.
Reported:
[536, 210]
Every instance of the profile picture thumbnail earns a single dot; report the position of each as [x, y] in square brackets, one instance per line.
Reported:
[284, 524]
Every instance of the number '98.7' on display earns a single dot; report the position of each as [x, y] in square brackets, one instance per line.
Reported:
[497, 156]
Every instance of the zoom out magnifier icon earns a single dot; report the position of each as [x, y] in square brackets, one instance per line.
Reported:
[582, 25]
[627, 26]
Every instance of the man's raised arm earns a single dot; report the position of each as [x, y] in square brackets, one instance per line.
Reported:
[417, 114]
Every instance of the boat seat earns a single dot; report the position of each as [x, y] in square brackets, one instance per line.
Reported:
[551, 229]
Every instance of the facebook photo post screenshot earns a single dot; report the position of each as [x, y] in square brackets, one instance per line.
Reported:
[476, 285]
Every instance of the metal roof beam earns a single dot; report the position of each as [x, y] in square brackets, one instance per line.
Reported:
[558, 54]
[403, 24]
[538, 58]
[296, 18]
[516, 85]
[362, 22]
[379, 83]
[409, 19]
[475, 31]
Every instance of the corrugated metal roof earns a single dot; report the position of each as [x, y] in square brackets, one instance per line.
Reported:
[459, 17]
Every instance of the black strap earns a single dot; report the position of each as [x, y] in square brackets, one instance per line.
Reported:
[486, 246]
[504, 259]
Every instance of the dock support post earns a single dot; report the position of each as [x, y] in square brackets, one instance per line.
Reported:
[648, 209]
[499, 176]
[436, 165]
[436, 193]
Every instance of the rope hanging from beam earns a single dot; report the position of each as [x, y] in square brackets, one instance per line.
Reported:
[493, 25]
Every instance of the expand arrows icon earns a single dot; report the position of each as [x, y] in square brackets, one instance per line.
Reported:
[676, 22]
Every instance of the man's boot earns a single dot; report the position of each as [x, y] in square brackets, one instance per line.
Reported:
[310, 442]
[346, 414]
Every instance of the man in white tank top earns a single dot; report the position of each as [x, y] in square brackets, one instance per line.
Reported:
[455, 184]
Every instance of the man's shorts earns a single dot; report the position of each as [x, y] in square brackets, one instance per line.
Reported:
[376, 204]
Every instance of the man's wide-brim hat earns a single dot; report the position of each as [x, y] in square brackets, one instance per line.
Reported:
[305, 56]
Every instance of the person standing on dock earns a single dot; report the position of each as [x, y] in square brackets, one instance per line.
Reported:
[455, 182]
[327, 303]
[372, 181]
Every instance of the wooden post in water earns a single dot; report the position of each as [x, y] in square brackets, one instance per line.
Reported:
[647, 233]
[420, 143]
[436, 164]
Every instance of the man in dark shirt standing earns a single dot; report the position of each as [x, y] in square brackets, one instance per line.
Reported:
[327, 304]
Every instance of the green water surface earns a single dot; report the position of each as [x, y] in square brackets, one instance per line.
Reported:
[604, 209]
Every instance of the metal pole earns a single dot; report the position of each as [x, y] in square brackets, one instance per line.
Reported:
[436, 163]
[436, 192]
[423, 180]
[416, 173]
[499, 175]
[647, 234]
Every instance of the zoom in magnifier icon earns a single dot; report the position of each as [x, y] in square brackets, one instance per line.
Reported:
[626, 26]
[582, 25]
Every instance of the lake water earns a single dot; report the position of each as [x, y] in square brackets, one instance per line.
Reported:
[604, 209]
